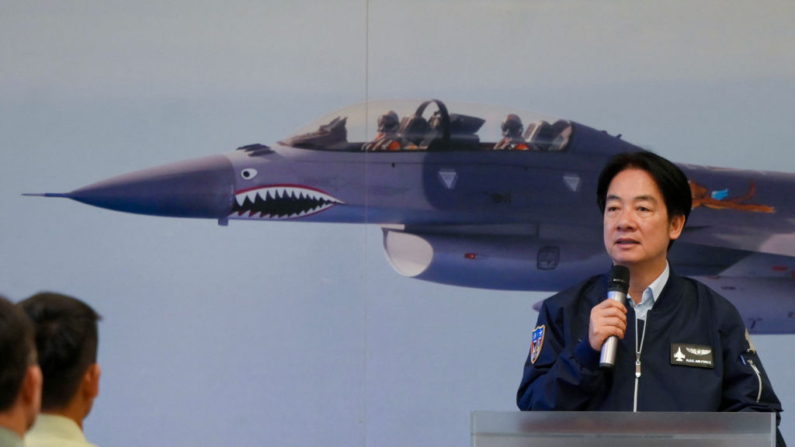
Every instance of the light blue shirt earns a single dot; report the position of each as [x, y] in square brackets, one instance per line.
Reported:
[650, 295]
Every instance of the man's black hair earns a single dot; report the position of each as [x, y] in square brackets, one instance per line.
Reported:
[66, 339]
[17, 351]
[670, 180]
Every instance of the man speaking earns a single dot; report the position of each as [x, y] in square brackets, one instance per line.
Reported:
[681, 346]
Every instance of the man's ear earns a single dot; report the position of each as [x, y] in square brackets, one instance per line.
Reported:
[91, 380]
[676, 226]
[31, 389]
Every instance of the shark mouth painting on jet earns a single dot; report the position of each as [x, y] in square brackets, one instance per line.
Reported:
[280, 202]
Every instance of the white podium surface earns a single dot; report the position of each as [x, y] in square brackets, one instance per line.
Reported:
[617, 429]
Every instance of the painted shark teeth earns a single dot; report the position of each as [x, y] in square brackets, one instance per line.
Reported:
[279, 202]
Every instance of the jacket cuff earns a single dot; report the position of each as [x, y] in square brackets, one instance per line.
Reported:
[586, 356]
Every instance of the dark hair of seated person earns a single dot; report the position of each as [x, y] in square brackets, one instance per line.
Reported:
[67, 341]
[17, 351]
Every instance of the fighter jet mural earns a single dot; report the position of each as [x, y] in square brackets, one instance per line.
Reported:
[478, 196]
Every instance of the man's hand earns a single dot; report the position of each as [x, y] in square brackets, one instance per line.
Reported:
[607, 318]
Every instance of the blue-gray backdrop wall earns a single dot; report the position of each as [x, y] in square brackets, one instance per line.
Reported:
[301, 334]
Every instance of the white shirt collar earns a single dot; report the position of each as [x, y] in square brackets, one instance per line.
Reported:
[657, 286]
[651, 294]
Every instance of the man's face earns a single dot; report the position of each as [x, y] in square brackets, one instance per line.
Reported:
[636, 225]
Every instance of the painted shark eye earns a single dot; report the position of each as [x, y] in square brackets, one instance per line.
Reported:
[248, 173]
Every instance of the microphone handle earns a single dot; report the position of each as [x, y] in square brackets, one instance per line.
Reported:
[609, 348]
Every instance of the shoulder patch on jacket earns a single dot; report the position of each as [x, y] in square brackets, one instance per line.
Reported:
[751, 347]
[537, 344]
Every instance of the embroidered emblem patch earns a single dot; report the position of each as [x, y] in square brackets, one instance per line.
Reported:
[685, 354]
[537, 344]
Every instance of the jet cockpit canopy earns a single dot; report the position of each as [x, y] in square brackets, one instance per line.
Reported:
[431, 125]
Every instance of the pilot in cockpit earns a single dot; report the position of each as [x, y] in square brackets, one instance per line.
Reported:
[388, 138]
[512, 139]
[435, 123]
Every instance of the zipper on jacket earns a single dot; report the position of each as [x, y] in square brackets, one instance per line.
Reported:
[638, 350]
[758, 376]
[637, 379]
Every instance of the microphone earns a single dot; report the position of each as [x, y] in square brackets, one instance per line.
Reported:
[617, 288]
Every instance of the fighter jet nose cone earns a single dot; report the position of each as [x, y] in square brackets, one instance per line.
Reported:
[195, 188]
[48, 194]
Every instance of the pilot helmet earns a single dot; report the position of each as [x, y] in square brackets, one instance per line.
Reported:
[512, 126]
[388, 122]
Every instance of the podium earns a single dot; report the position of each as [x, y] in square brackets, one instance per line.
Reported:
[619, 429]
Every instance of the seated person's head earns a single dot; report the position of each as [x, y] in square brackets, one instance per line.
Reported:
[512, 126]
[20, 377]
[67, 340]
[388, 123]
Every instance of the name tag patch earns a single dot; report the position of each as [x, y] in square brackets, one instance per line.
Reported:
[685, 354]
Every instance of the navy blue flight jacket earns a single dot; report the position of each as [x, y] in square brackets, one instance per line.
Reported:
[566, 374]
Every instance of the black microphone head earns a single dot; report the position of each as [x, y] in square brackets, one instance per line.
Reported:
[619, 279]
